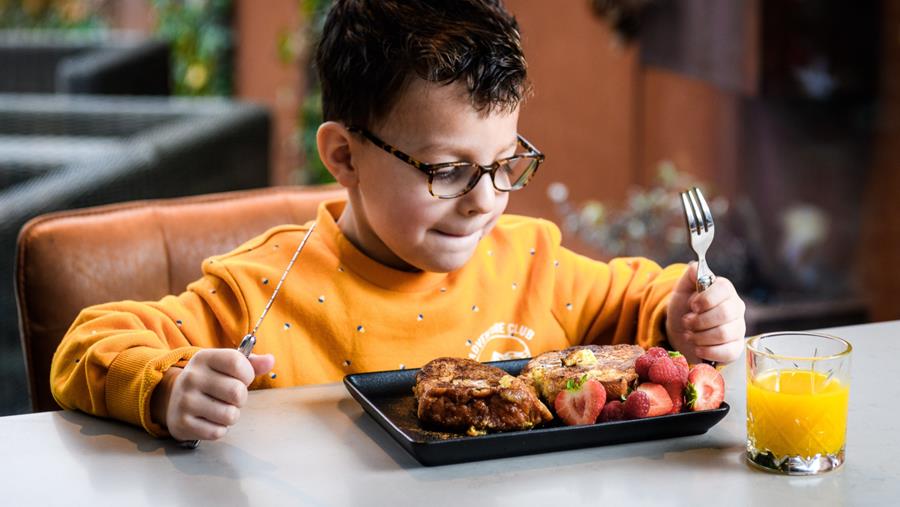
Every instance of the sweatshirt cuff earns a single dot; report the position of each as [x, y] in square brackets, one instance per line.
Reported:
[133, 376]
[656, 328]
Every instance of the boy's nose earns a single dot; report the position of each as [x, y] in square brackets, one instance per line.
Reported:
[480, 199]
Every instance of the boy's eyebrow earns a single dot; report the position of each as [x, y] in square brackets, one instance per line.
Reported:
[452, 150]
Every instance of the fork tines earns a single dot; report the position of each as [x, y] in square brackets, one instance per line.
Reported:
[696, 211]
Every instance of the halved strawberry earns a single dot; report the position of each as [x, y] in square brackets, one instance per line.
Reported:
[676, 393]
[660, 403]
[705, 389]
[580, 402]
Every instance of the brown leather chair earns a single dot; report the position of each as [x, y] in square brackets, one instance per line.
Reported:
[138, 250]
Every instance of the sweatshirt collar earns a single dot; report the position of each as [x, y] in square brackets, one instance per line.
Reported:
[363, 266]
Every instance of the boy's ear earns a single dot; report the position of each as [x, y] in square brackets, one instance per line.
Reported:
[333, 142]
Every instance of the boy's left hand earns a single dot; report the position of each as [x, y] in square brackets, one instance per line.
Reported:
[706, 325]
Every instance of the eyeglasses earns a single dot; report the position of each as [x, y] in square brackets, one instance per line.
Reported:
[452, 179]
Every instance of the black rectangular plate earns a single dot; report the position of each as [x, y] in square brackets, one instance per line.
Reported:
[387, 397]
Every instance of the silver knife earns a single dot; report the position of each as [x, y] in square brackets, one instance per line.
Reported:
[249, 340]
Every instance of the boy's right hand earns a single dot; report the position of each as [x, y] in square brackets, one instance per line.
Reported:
[202, 400]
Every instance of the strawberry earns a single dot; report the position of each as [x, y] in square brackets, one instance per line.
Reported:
[660, 402]
[657, 352]
[681, 362]
[612, 411]
[580, 402]
[637, 405]
[642, 366]
[664, 371]
[645, 360]
[705, 389]
[676, 393]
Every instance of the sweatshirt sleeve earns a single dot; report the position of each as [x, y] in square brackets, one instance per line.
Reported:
[113, 355]
[622, 301]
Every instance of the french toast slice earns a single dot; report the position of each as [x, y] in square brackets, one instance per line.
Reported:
[611, 365]
[463, 394]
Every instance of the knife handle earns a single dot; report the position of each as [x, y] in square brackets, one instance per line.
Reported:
[245, 348]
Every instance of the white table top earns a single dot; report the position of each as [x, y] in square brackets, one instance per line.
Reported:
[315, 446]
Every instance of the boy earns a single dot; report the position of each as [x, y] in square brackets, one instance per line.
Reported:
[418, 263]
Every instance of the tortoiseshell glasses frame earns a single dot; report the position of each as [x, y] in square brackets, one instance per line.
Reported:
[532, 159]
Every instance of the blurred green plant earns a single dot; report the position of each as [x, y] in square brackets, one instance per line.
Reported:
[650, 223]
[51, 14]
[202, 42]
[310, 115]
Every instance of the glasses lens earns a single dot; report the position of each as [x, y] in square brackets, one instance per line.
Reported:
[451, 181]
[514, 174]
[455, 180]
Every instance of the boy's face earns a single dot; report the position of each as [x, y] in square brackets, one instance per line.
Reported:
[393, 218]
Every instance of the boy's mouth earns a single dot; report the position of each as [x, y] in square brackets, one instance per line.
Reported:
[458, 234]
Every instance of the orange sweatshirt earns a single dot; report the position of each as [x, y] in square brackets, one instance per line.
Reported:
[341, 312]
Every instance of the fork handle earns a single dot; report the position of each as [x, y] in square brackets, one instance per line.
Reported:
[705, 278]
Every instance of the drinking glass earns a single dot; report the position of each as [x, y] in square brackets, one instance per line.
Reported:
[798, 387]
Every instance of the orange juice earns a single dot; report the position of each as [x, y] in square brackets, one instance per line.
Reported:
[797, 413]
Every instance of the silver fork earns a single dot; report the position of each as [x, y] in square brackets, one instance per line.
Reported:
[701, 231]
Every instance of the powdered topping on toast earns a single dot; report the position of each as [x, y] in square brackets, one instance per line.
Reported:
[611, 365]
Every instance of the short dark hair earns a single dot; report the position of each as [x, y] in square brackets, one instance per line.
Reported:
[371, 49]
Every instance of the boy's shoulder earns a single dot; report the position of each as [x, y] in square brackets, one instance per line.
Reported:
[278, 240]
[527, 228]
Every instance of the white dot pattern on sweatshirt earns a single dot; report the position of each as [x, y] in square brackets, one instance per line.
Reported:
[569, 306]
[360, 328]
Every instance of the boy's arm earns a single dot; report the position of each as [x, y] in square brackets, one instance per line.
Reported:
[622, 301]
[115, 354]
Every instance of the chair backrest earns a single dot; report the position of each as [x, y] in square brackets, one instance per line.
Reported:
[140, 250]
